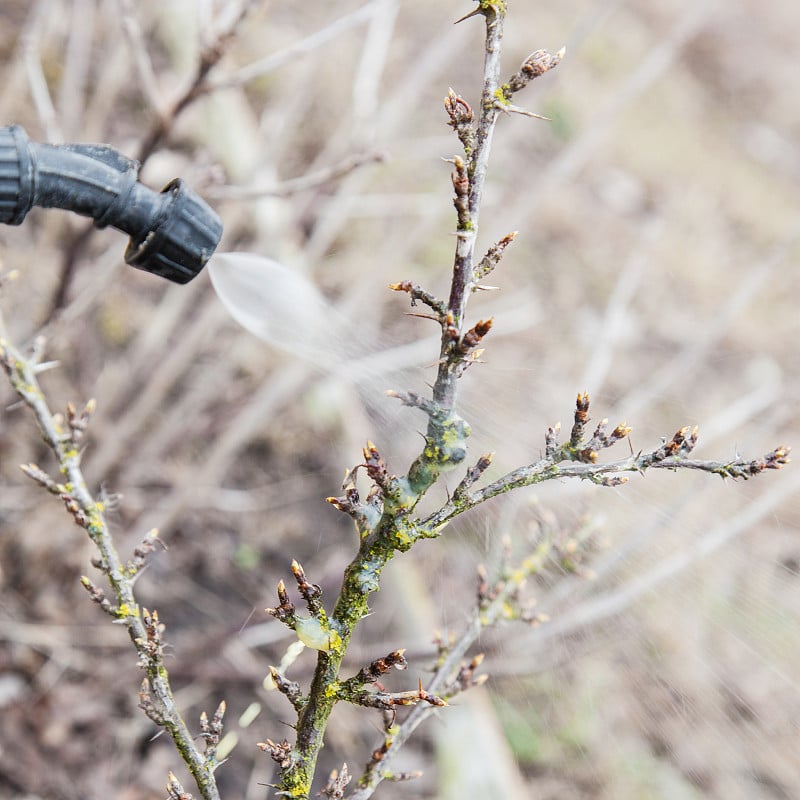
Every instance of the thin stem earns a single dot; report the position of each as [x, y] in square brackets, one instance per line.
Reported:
[444, 391]
[88, 514]
[548, 469]
[442, 683]
[311, 180]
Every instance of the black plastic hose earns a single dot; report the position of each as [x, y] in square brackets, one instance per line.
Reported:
[173, 233]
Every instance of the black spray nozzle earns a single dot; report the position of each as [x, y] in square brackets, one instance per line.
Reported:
[173, 233]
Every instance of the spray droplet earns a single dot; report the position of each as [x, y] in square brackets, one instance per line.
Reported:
[283, 308]
[277, 304]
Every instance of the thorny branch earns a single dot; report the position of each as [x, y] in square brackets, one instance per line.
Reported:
[468, 181]
[453, 674]
[385, 519]
[64, 437]
[577, 459]
[310, 180]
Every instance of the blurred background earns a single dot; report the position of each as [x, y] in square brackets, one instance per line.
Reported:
[656, 268]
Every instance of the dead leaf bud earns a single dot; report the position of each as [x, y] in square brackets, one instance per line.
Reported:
[621, 431]
[613, 480]
[309, 591]
[541, 61]
[285, 610]
[473, 336]
[339, 503]
[397, 660]
[429, 698]
[96, 593]
[493, 256]
[279, 753]
[680, 441]
[74, 508]
[460, 178]
[778, 457]
[449, 325]
[458, 109]
[283, 595]
[394, 660]
[379, 754]
[551, 441]
[588, 456]
[219, 715]
[534, 66]
[174, 789]
[375, 465]
[582, 407]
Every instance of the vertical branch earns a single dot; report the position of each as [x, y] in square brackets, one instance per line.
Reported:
[387, 526]
[494, 11]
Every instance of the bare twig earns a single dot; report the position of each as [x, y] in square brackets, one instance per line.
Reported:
[453, 675]
[311, 180]
[444, 391]
[143, 627]
[37, 83]
[141, 58]
[77, 61]
[614, 602]
[578, 459]
[310, 43]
